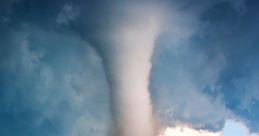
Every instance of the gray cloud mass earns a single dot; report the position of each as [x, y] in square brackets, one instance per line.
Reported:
[58, 58]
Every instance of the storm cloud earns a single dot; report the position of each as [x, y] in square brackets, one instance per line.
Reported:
[64, 64]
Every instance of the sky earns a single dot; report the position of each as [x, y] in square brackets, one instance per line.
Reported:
[60, 59]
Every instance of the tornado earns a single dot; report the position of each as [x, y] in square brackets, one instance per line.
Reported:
[125, 42]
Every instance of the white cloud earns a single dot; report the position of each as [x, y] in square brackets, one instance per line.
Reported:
[231, 128]
[186, 131]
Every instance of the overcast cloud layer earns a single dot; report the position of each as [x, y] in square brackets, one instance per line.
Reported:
[52, 77]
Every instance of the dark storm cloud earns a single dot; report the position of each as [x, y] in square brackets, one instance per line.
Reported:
[44, 91]
[234, 33]
[209, 57]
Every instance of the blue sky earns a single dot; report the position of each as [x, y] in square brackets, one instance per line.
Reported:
[205, 68]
